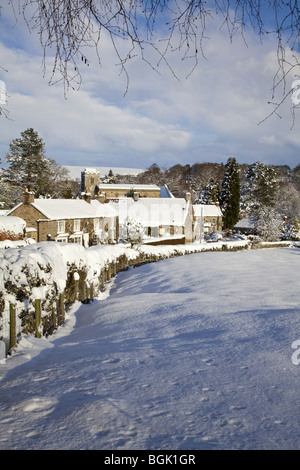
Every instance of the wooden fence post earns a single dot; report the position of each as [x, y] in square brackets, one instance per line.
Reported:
[103, 274]
[108, 273]
[12, 326]
[37, 318]
[62, 307]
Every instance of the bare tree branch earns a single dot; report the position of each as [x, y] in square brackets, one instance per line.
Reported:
[68, 29]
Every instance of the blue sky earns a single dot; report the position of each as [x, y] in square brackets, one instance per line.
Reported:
[209, 116]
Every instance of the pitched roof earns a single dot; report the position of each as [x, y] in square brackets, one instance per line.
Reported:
[209, 210]
[165, 192]
[153, 212]
[56, 209]
[126, 186]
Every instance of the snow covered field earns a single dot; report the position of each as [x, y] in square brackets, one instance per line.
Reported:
[192, 352]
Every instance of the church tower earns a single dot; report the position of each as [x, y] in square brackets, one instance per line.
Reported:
[90, 180]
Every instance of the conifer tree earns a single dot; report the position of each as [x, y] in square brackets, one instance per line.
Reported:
[28, 166]
[209, 194]
[230, 195]
[259, 189]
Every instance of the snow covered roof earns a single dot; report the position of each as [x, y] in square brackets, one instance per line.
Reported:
[134, 187]
[209, 210]
[12, 224]
[165, 192]
[152, 212]
[105, 210]
[56, 209]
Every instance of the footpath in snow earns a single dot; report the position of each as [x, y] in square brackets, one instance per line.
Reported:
[188, 353]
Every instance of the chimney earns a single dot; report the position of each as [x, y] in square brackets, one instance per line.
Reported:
[188, 197]
[217, 203]
[87, 197]
[101, 198]
[28, 197]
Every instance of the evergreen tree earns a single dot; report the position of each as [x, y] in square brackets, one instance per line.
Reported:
[209, 194]
[259, 189]
[230, 194]
[28, 166]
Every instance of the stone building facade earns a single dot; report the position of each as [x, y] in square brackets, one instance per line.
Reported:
[116, 191]
[208, 218]
[68, 220]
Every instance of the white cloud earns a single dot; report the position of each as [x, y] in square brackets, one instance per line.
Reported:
[83, 122]
[207, 117]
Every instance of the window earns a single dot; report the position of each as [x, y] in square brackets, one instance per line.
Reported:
[96, 224]
[61, 226]
[77, 239]
[62, 239]
[77, 225]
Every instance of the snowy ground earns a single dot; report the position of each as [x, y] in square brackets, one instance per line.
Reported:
[188, 353]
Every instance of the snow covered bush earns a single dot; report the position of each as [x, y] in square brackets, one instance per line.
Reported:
[292, 231]
[132, 231]
[11, 228]
[269, 224]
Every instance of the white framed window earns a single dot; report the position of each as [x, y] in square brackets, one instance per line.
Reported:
[62, 239]
[77, 239]
[77, 225]
[61, 226]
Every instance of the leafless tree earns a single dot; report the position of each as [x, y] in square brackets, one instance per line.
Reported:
[69, 28]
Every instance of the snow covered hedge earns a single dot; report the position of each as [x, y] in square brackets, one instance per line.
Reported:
[47, 271]
[12, 228]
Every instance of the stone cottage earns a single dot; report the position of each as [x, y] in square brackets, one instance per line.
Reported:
[207, 220]
[165, 220]
[68, 220]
